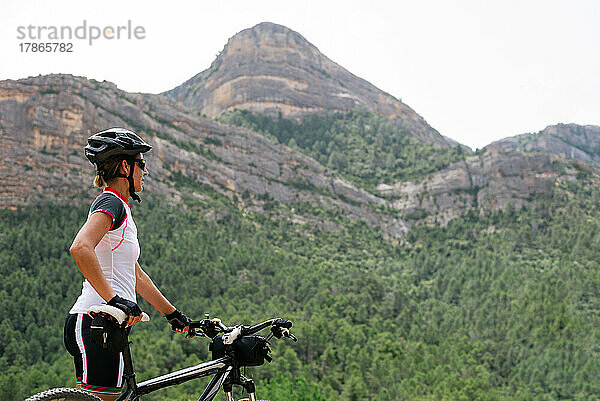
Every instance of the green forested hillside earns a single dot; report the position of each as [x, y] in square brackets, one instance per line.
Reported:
[365, 148]
[500, 306]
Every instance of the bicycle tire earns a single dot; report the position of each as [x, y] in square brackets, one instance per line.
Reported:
[63, 394]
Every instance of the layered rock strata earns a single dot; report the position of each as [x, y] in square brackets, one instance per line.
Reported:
[273, 70]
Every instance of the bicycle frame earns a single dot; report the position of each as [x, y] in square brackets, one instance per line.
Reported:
[224, 369]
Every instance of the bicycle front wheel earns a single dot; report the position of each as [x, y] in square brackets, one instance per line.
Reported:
[63, 394]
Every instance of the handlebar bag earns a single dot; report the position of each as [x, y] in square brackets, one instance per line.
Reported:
[105, 331]
[247, 350]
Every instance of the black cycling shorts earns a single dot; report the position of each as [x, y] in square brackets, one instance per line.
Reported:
[98, 370]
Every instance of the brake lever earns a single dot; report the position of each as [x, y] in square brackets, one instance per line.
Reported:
[279, 331]
[207, 328]
[286, 333]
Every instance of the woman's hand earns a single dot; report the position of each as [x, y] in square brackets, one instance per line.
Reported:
[132, 309]
[180, 323]
[133, 320]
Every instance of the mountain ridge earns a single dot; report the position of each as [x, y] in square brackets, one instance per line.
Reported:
[274, 70]
[46, 120]
[571, 141]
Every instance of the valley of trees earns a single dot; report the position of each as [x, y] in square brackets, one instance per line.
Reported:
[501, 305]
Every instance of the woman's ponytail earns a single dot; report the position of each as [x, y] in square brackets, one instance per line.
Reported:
[107, 172]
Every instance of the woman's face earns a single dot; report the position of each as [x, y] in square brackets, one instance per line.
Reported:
[139, 173]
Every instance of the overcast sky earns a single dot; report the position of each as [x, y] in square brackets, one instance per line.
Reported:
[476, 70]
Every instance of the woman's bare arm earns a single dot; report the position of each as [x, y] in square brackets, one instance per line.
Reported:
[82, 250]
[146, 288]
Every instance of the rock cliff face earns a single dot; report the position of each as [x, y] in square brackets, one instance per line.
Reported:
[492, 179]
[271, 69]
[45, 121]
[571, 141]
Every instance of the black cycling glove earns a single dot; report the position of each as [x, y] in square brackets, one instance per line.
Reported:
[131, 308]
[178, 320]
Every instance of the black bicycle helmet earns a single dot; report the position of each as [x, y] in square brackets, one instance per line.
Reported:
[113, 142]
[116, 143]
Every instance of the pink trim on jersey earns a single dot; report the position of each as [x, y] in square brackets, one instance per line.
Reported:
[117, 193]
[123, 235]
[110, 214]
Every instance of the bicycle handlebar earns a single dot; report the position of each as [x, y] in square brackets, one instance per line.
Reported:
[212, 327]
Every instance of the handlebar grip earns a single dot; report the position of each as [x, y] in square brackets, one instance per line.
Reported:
[207, 327]
[286, 333]
[195, 325]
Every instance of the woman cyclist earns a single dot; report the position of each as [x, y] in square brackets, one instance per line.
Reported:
[106, 250]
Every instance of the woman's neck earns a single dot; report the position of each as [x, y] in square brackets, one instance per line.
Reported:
[121, 185]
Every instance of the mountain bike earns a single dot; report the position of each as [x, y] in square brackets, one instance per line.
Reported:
[232, 348]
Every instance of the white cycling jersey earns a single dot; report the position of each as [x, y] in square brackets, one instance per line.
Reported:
[117, 251]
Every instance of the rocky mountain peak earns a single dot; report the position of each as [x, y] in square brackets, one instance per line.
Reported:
[269, 42]
[273, 70]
